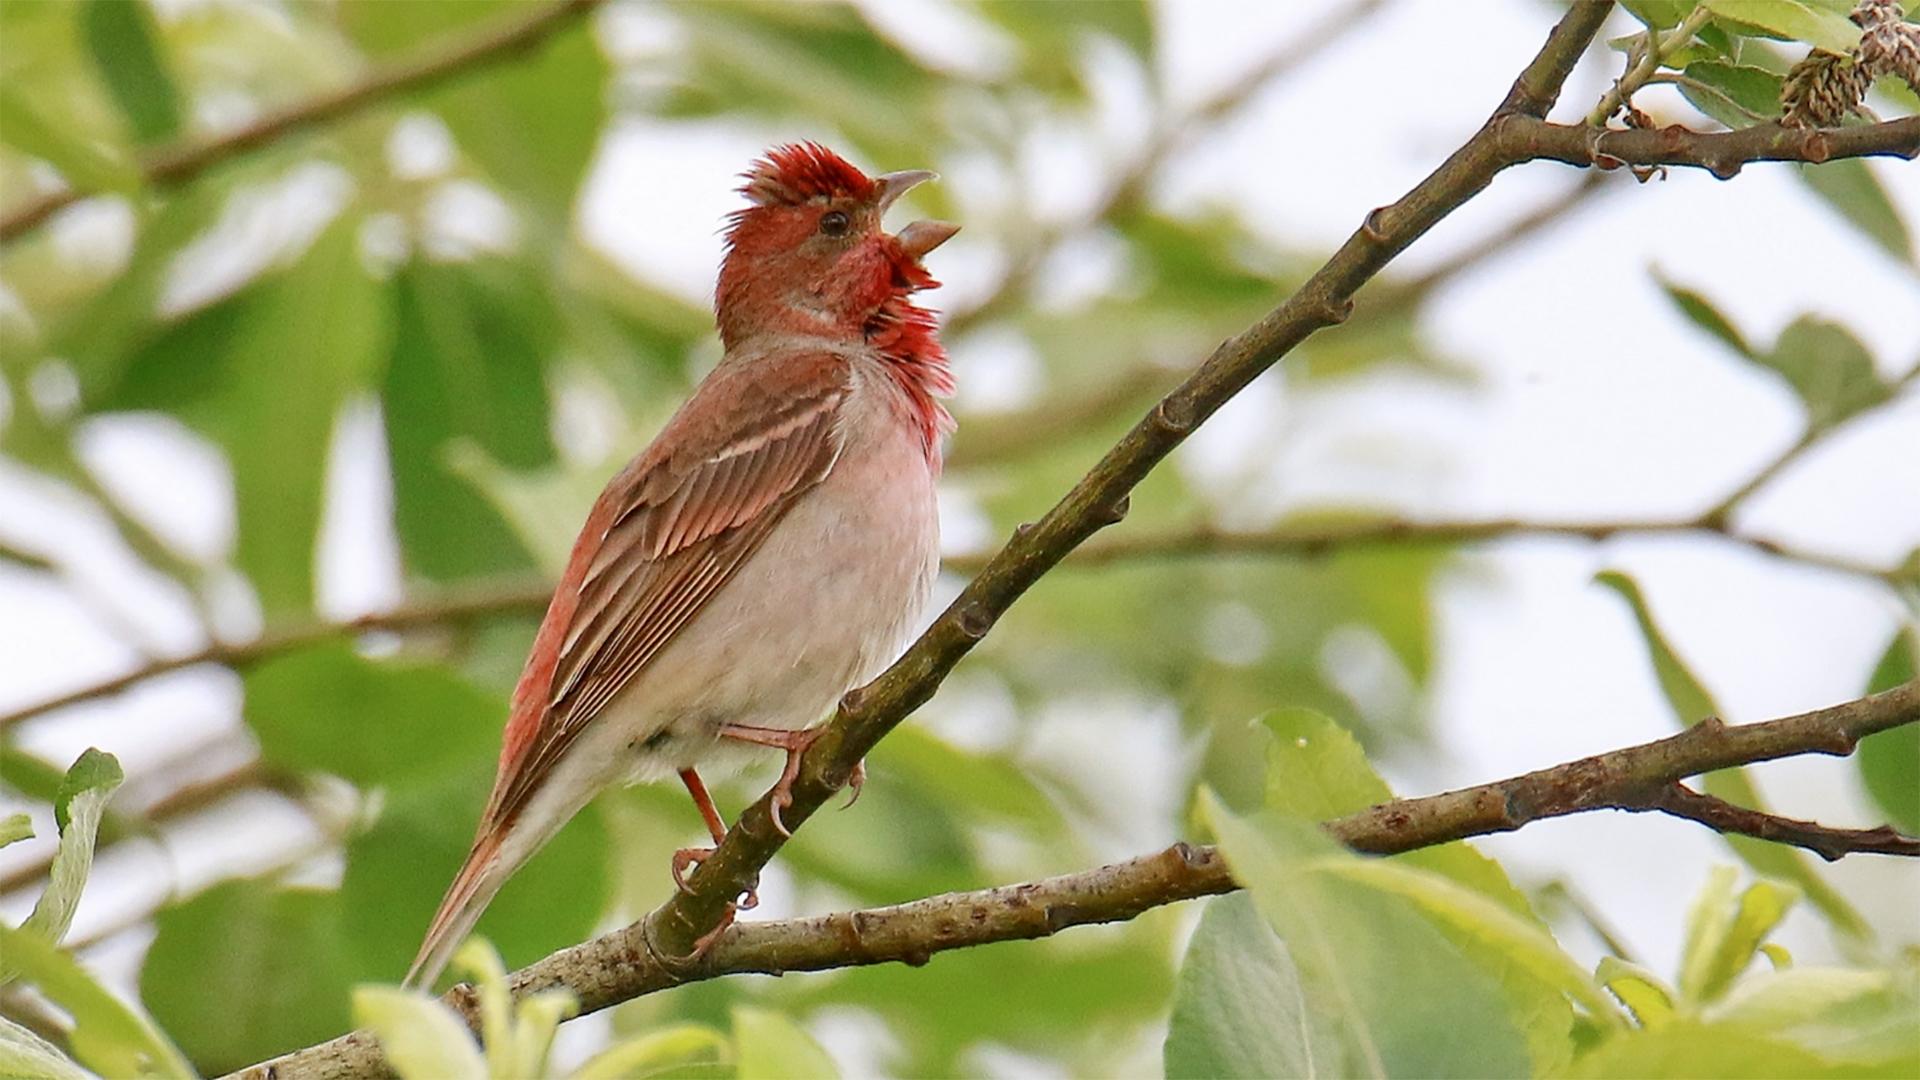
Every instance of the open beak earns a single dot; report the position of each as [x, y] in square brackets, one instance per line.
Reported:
[921, 236]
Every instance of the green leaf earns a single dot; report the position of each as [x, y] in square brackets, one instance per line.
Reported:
[1724, 934]
[15, 827]
[1639, 990]
[772, 1047]
[1704, 315]
[83, 800]
[264, 374]
[247, 970]
[1753, 89]
[374, 722]
[1889, 761]
[26, 1056]
[1659, 14]
[1509, 935]
[1829, 368]
[1691, 703]
[398, 868]
[1689, 1048]
[109, 1037]
[422, 1039]
[668, 1049]
[1791, 20]
[88, 164]
[1399, 998]
[532, 125]
[1239, 1009]
[1853, 189]
[470, 350]
[1861, 1018]
[123, 38]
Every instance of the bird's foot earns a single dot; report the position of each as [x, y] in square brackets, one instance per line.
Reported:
[688, 858]
[795, 743]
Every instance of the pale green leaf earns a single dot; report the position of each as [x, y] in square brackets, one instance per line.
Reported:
[1702, 313]
[1659, 14]
[109, 1037]
[656, 1052]
[1759, 911]
[1709, 921]
[1889, 761]
[1829, 368]
[26, 1056]
[1460, 907]
[421, 1038]
[15, 827]
[773, 1047]
[89, 784]
[88, 164]
[1638, 989]
[1687, 1048]
[481, 965]
[1853, 189]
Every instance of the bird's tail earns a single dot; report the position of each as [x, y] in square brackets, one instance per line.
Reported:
[473, 887]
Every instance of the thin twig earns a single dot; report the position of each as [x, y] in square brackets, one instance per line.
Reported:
[478, 602]
[1654, 53]
[178, 163]
[622, 965]
[1829, 843]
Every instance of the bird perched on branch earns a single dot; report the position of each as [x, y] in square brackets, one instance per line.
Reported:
[769, 551]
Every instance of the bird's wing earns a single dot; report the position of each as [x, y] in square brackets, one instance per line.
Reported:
[666, 534]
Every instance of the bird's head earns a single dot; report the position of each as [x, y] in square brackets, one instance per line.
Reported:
[809, 254]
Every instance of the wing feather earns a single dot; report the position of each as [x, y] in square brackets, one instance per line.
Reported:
[671, 529]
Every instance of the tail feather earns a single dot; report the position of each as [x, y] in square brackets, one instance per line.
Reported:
[473, 887]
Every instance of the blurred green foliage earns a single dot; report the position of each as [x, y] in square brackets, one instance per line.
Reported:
[1438, 966]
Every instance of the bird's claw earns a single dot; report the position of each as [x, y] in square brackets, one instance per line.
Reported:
[856, 780]
[706, 941]
[688, 858]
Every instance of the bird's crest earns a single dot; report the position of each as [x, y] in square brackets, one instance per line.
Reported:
[797, 172]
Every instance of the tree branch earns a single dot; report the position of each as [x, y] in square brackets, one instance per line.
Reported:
[1722, 153]
[622, 965]
[181, 162]
[528, 597]
[1825, 841]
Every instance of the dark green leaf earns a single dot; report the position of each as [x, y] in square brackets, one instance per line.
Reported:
[1399, 997]
[264, 373]
[1691, 704]
[1889, 761]
[470, 351]
[1829, 368]
[1704, 315]
[1751, 89]
[374, 722]
[1659, 14]
[533, 124]
[1789, 20]
[248, 970]
[398, 869]
[1239, 1009]
[1854, 190]
[124, 41]
[92, 770]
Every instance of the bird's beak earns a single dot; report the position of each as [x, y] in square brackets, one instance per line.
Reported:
[923, 236]
[895, 184]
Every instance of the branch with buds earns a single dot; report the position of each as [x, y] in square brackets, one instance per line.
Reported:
[623, 965]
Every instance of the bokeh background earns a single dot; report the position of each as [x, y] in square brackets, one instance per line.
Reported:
[385, 365]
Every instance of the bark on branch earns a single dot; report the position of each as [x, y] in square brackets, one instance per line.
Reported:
[183, 161]
[622, 965]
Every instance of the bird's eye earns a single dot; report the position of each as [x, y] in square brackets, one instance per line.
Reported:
[834, 223]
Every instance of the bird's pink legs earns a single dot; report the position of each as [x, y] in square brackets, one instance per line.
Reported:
[795, 743]
[688, 857]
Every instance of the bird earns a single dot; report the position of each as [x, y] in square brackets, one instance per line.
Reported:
[771, 549]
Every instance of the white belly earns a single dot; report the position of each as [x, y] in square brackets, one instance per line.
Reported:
[824, 605]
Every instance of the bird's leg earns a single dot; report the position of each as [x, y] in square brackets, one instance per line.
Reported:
[689, 857]
[795, 743]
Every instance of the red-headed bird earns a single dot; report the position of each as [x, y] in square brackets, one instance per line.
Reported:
[771, 549]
